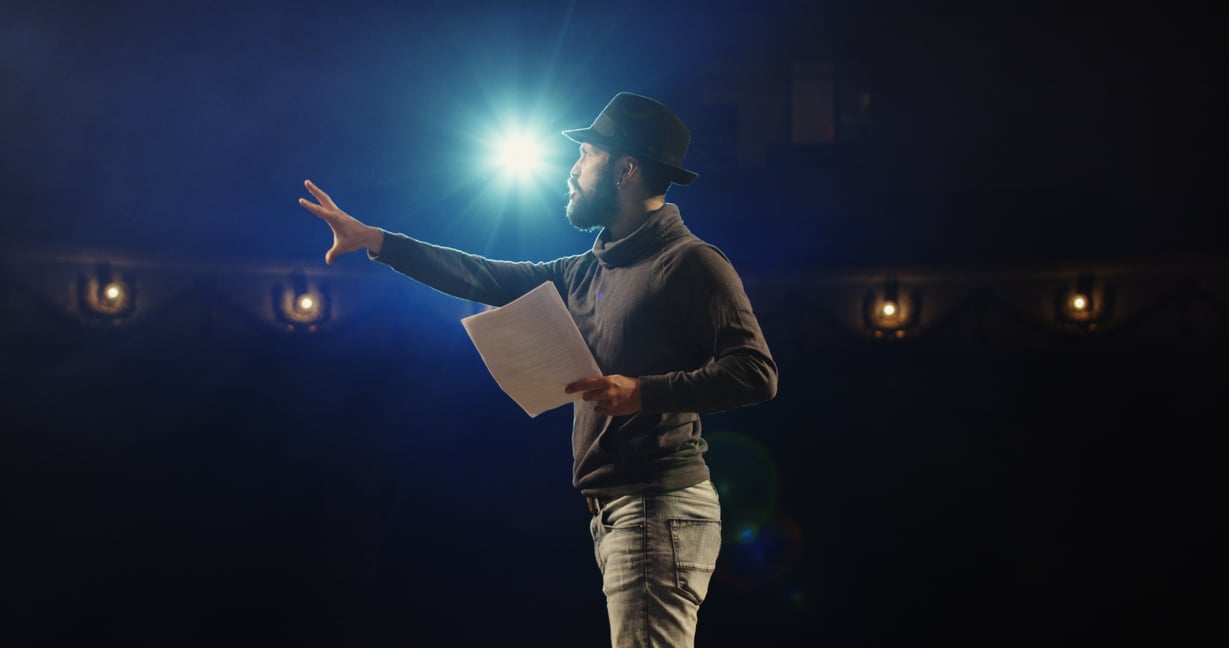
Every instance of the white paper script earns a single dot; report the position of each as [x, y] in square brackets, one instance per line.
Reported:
[533, 349]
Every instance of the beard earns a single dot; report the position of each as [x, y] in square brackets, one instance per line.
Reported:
[595, 209]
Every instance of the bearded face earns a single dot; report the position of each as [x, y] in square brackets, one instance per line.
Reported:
[594, 208]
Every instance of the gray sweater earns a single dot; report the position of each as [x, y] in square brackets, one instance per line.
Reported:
[660, 305]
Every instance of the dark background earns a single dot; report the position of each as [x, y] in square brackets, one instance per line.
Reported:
[201, 480]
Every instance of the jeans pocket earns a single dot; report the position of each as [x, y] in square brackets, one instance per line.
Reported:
[696, 545]
[596, 531]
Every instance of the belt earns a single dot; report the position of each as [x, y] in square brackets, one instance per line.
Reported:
[595, 504]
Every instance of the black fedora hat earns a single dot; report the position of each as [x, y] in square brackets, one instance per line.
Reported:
[642, 127]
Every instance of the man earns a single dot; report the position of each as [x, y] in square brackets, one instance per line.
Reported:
[669, 323]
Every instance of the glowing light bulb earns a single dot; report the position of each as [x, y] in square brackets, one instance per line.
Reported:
[112, 292]
[1079, 302]
[306, 303]
[889, 309]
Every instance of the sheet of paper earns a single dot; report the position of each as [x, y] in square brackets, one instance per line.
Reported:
[533, 349]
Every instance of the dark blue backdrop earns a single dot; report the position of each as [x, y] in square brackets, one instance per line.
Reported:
[374, 487]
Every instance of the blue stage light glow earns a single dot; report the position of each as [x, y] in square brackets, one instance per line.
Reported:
[520, 156]
[523, 161]
[517, 163]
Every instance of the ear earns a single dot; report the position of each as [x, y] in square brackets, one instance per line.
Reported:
[629, 167]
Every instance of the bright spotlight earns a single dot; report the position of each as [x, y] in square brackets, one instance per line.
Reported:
[521, 164]
[302, 305]
[520, 155]
[1084, 306]
[113, 292]
[888, 309]
[106, 294]
[303, 308]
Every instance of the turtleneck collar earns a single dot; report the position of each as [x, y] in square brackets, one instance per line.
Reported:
[661, 226]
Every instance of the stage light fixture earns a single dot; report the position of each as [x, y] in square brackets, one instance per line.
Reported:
[1079, 302]
[520, 155]
[301, 305]
[1085, 305]
[113, 292]
[103, 294]
[306, 308]
[521, 163]
[887, 312]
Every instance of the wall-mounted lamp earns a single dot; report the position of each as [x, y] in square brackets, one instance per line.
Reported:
[300, 305]
[1084, 304]
[888, 312]
[105, 294]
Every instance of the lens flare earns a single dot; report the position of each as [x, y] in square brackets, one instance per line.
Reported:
[760, 545]
[746, 480]
[760, 555]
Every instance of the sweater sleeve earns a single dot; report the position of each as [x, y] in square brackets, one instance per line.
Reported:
[464, 275]
[717, 314]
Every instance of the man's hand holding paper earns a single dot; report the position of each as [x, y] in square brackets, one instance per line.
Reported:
[534, 351]
[613, 395]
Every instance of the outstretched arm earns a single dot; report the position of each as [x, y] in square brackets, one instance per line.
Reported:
[460, 274]
[349, 234]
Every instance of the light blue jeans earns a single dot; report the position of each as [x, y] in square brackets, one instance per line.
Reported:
[657, 554]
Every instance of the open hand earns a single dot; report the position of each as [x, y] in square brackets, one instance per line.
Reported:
[348, 233]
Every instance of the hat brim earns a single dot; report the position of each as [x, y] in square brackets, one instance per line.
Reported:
[678, 175]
